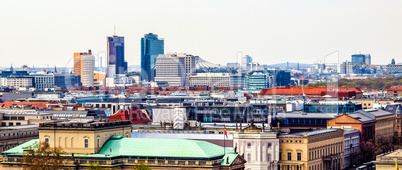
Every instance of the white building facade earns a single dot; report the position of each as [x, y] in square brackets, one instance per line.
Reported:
[260, 149]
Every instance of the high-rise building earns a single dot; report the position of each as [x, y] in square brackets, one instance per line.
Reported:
[362, 59]
[245, 61]
[151, 47]
[84, 66]
[175, 68]
[116, 63]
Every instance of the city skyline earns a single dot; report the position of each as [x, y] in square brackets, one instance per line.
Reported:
[270, 32]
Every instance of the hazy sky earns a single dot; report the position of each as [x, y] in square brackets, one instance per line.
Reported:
[49, 32]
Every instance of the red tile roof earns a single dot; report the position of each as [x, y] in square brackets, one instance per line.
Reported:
[135, 115]
[305, 90]
[40, 105]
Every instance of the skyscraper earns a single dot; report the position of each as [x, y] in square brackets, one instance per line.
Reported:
[245, 61]
[115, 59]
[84, 66]
[151, 47]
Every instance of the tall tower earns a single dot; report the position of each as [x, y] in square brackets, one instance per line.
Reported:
[151, 47]
[115, 59]
[84, 66]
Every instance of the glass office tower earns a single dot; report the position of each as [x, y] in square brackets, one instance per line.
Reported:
[116, 62]
[151, 47]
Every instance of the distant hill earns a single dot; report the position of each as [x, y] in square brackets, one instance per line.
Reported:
[291, 65]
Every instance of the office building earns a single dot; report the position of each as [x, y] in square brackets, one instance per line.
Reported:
[18, 82]
[258, 80]
[175, 68]
[237, 80]
[210, 79]
[245, 60]
[151, 47]
[361, 59]
[314, 150]
[84, 66]
[116, 63]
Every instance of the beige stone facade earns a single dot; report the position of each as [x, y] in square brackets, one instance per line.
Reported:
[315, 150]
[82, 137]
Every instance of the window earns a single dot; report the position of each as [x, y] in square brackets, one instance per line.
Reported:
[289, 156]
[10, 124]
[97, 142]
[269, 158]
[13, 117]
[248, 145]
[299, 156]
[269, 145]
[18, 123]
[47, 140]
[249, 157]
[86, 143]
[280, 156]
[3, 124]
[21, 118]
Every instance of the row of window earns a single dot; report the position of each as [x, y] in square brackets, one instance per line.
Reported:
[4, 124]
[289, 156]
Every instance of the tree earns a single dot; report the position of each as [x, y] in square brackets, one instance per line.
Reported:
[40, 156]
[140, 166]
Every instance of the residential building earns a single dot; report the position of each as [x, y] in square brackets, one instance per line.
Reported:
[116, 63]
[394, 92]
[314, 150]
[260, 149]
[151, 48]
[210, 79]
[84, 66]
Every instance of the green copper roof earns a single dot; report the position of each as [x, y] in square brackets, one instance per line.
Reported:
[20, 148]
[226, 161]
[157, 147]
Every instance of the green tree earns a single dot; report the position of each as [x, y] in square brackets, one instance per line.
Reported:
[41, 156]
[140, 166]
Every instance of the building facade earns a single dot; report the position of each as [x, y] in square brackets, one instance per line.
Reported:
[84, 66]
[314, 150]
[210, 79]
[116, 63]
[260, 149]
[151, 48]
[85, 137]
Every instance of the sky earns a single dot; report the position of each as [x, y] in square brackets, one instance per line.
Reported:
[45, 33]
